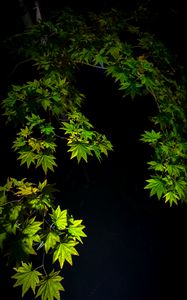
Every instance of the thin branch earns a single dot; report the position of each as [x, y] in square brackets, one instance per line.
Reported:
[18, 65]
[19, 200]
[61, 137]
[90, 65]
[156, 100]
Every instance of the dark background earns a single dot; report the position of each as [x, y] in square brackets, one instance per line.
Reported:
[136, 245]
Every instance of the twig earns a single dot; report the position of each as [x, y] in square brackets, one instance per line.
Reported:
[18, 65]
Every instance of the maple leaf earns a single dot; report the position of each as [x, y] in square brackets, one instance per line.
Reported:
[46, 161]
[27, 277]
[48, 129]
[59, 218]
[76, 229]
[64, 252]
[51, 240]
[151, 136]
[32, 227]
[50, 287]
[156, 185]
[14, 212]
[27, 243]
[27, 157]
[171, 197]
[26, 190]
[46, 103]
[79, 150]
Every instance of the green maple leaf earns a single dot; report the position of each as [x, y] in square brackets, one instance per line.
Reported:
[150, 137]
[50, 287]
[27, 157]
[171, 197]
[14, 212]
[27, 243]
[48, 129]
[11, 227]
[25, 132]
[180, 187]
[79, 150]
[59, 218]
[32, 227]
[46, 161]
[51, 240]
[156, 185]
[42, 185]
[46, 103]
[156, 166]
[27, 277]
[30, 230]
[64, 252]
[76, 230]
[68, 127]
[97, 151]
[26, 190]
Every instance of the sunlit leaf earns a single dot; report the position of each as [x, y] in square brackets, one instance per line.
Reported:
[32, 227]
[64, 252]
[26, 277]
[151, 136]
[51, 240]
[27, 157]
[171, 197]
[50, 287]
[156, 185]
[76, 229]
[59, 218]
[46, 161]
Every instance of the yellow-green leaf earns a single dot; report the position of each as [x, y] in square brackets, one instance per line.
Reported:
[32, 227]
[76, 230]
[59, 218]
[51, 240]
[46, 161]
[50, 287]
[27, 277]
[64, 252]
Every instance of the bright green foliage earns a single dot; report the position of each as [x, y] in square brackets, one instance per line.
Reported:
[76, 228]
[26, 277]
[82, 141]
[46, 114]
[59, 218]
[51, 230]
[64, 252]
[157, 186]
[51, 240]
[36, 150]
[50, 287]
[169, 166]
[151, 136]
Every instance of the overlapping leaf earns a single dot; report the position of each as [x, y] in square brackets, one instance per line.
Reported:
[51, 240]
[26, 277]
[76, 229]
[64, 252]
[59, 218]
[50, 287]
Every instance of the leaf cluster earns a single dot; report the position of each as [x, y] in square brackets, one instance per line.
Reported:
[31, 225]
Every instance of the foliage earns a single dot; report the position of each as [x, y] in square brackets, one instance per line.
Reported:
[47, 112]
[32, 225]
